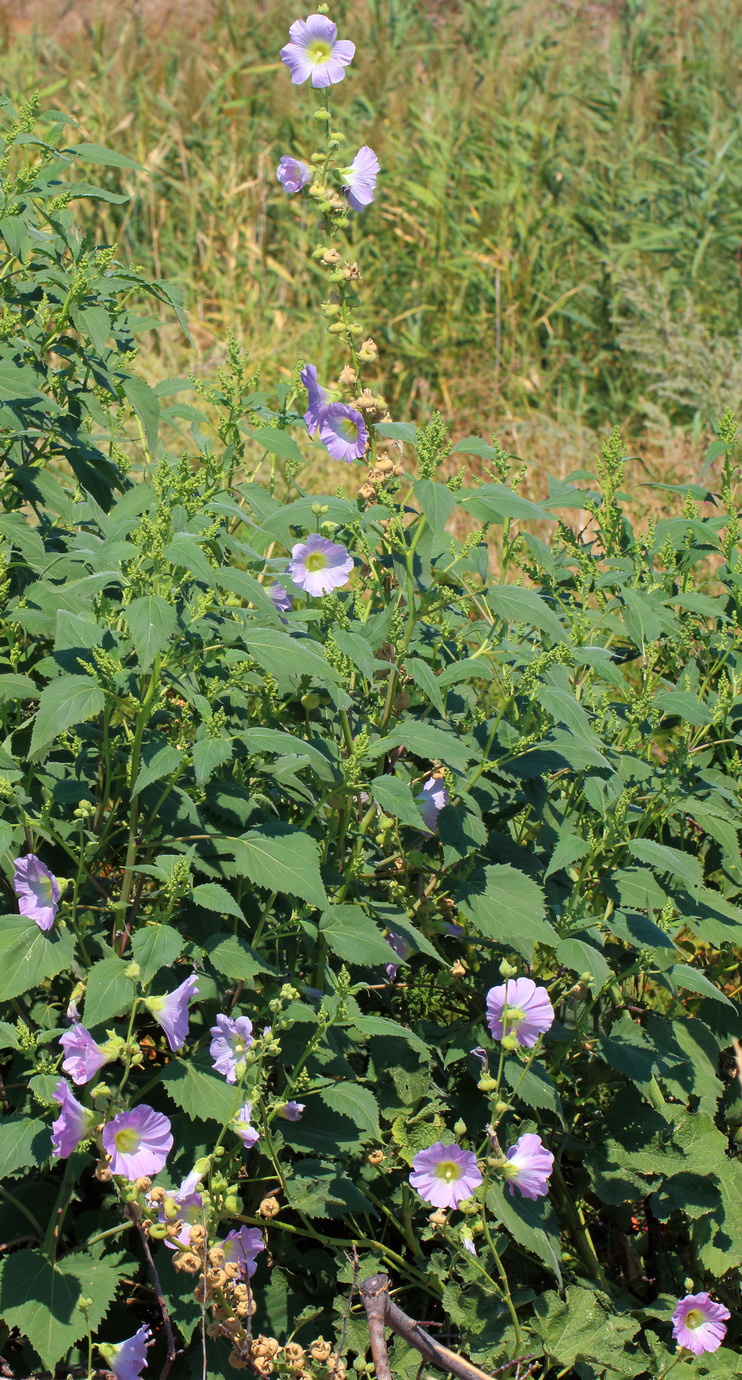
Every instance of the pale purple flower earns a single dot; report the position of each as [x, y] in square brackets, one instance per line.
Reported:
[467, 1242]
[171, 1011]
[431, 800]
[230, 1041]
[359, 180]
[343, 431]
[445, 1175]
[127, 1359]
[318, 566]
[243, 1247]
[698, 1323]
[138, 1142]
[401, 948]
[317, 398]
[37, 890]
[292, 174]
[247, 1133]
[527, 1010]
[73, 1124]
[188, 1206]
[315, 51]
[281, 599]
[292, 1111]
[83, 1057]
[529, 1165]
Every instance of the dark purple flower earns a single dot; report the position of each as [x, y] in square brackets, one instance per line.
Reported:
[292, 1111]
[431, 800]
[318, 566]
[526, 1008]
[171, 1012]
[315, 51]
[343, 431]
[528, 1167]
[73, 1124]
[243, 1248]
[317, 398]
[359, 180]
[83, 1057]
[292, 174]
[401, 948]
[698, 1323]
[127, 1359]
[138, 1142]
[445, 1175]
[230, 1040]
[37, 890]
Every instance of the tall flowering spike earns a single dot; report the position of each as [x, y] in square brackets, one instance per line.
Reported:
[247, 1133]
[445, 1175]
[37, 890]
[699, 1324]
[343, 431]
[230, 1040]
[315, 51]
[399, 944]
[292, 174]
[528, 1167]
[317, 398]
[359, 180]
[526, 1010]
[83, 1058]
[431, 800]
[171, 1012]
[127, 1359]
[242, 1248]
[73, 1124]
[138, 1142]
[318, 566]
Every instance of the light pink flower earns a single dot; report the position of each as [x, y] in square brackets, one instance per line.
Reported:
[73, 1124]
[243, 1247]
[359, 180]
[527, 1010]
[292, 174]
[83, 1057]
[247, 1133]
[445, 1175]
[230, 1040]
[189, 1204]
[293, 1111]
[315, 51]
[171, 1012]
[431, 800]
[37, 890]
[699, 1324]
[127, 1359]
[318, 566]
[528, 1167]
[317, 399]
[343, 431]
[138, 1142]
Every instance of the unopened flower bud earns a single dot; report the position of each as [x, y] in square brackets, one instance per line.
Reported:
[507, 970]
[510, 1042]
[460, 1127]
[502, 1107]
[337, 328]
[322, 116]
[369, 350]
[487, 1084]
[132, 970]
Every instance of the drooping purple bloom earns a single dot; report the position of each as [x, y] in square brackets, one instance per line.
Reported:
[529, 1165]
[247, 1133]
[127, 1359]
[445, 1175]
[37, 890]
[281, 599]
[359, 180]
[526, 1008]
[698, 1323]
[318, 566]
[317, 397]
[83, 1057]
[73, 1124]
[230, 1040]
[292, 1111]
[171, 1011]
[293, 174]
[189, 1205]
[431, 800]
[315, 51]
[343, 431]
[243, 1247]
[138, 1142]
[401, 948]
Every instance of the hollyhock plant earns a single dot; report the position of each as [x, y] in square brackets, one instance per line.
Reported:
[698, 1323]
[230, 1040]
[445, 1175]
[37, 890]
[528, 1167]
[171, 1012]
[127, 1359]
[343, 431]
[292, 1111]
[138, 1142]
[318, 566]
[317, 398]
[401, 948]
[247, 1133]
[526, 1009]
[431, 800]
[242, 1248]
[359, 180]
[83, 1057]
[73, 1124]
[316, 51]
[293, 174]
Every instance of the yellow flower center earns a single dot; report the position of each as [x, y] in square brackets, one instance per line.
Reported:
[348, 428]
[316, 560]
[694, 1318]
[514, 1015]
[319, 52]
[240, 1047]
[127, 1140]
[448, 1170]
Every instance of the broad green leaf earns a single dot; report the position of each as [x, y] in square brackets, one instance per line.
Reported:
[696, 981]
[154, 947]
[186, 550]
[324, 1190]
[582, 957]
[233, 957]
[357, 650]
[398, 431]
[146, 404]
[532, 1085]
[369, 1026]
[396, 799]
[156, 764]
[108, 158]
[532, 1224]
[277, 443]
[280, 858]
[682, 865]
[357, 1103]
[197, 1090]
[429, 741]
[285, 656]
[65, 702]
[508, 907]
[581, 1326]
[419, 671]
[352, 935]
[151, 622]
[213, 896]
[208, 755]
[436, 502]
[24, 1142]
[570, 849]
[28, 956]
[109, 992]
[273, 740]
[516, 604]
[40, 1298]
[496, 503]
[474, 445]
